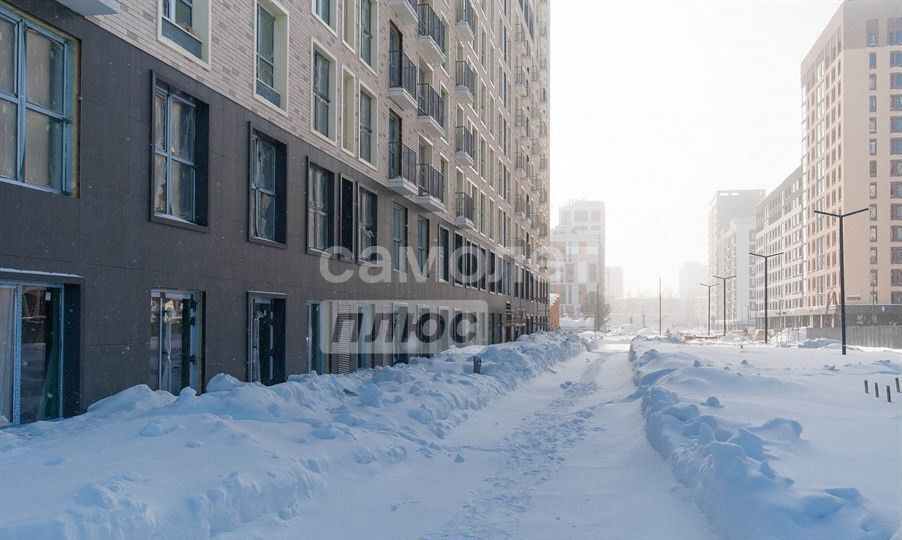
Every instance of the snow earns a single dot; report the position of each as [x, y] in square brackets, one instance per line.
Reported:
[777, 443]
[562, 436]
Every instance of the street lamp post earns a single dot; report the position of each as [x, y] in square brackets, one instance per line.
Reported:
[766, 258]
[724, 280]
[709, 303]
[842, 269]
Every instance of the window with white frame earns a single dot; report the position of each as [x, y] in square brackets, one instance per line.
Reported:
[186, 24]
[36, 104]
[323, 93]
[367, 126]
[348, 112]
[271, 56]
[367, 32]
[325, 11]
[349, 23]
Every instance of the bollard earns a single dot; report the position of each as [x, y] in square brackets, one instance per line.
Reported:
[898, 389]
[889, 398]
[866, 391]
[477, 365]
[876, 390]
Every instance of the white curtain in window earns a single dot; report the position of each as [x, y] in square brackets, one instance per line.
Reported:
[7, 346]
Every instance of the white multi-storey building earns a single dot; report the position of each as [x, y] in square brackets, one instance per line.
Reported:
[578, 244]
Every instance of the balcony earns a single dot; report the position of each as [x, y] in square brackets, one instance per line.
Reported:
[402, 166]
[92, 7]
[431, 185]
[466, 20]
[406, 10]
[402, 80]
[465, 82]
[430, 110]
[463, 210]
[465, 145]
[431, 34]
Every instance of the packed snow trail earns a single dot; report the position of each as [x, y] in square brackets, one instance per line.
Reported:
[563, 457]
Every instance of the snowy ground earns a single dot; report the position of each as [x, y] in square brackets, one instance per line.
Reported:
[551, 441]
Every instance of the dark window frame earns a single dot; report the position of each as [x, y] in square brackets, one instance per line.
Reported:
[279, 191]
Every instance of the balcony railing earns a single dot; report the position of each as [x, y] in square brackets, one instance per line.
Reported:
[402, 72]
[402, 161]
[430, 103]
[463, 204]
[431, 25]
[466, 77]
[466, 14]
[431, 182]
[465, 141]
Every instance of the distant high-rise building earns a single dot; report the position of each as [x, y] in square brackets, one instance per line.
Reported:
[613, 282]
[852, 159]
[691, 274]
[579, 242]
[780, 230]
[731, 234]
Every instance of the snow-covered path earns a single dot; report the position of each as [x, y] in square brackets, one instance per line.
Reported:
[564, 457]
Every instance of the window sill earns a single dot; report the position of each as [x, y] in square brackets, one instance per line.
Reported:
[319, 134]
[266, 242]
[175, 222]
[281, 110]
[203, 62]
[35, 187]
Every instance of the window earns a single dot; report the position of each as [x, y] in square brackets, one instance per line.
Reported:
[179, 172]
[367, 241]
[186, 24]
[895, 211]
[399, 238]
[896, 278]
[896, 235]
[872, 103]
[895, 167]
[176, 334]
[320, 208]
[872, 147]
[267, 189]
[895, 190]
[349, 23]
[31, 362]
[872, 82]
[872, 60]
[872, 125]
[322, 94]
[872, 169]
[367, 28]
[422, 244]
[895, 81]
[872, 233]
[872, 190]
[895, 102]
[367, 117]
[323, 10]
[36, 105]
[895, 59]
[272, 53]
[346, 217]
[348, 112]
[444, 240]
[895, 124]
[895, 146]
[896, 297]
[872, 212]
[873, 255]
[896, 255]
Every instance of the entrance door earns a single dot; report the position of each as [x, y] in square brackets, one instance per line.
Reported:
[263, 361]
[30, 353]
[175, 339]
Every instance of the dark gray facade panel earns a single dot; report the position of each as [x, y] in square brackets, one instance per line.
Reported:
[106, 235]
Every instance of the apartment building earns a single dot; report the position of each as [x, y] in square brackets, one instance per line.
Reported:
[852, 159]
[780, 232]
[731, 233]
[613, 283]
[183, 181]
[578, 245]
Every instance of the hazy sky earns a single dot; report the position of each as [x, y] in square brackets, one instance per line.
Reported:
[657, 104]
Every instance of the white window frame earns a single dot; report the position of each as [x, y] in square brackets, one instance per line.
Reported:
[201, 32]
[331, 25]
[282, 46]
[346, 92]
[345, 28]
[374, 48]
[374, 119]
[332, 137]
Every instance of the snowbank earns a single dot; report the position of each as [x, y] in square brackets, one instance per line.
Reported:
[721, 447]
[146, 464]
